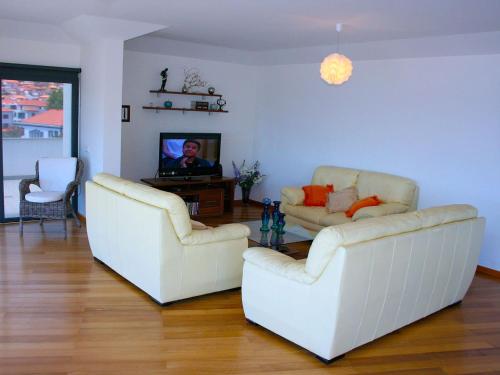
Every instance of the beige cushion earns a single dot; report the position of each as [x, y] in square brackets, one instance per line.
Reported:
[334, 219]
[445, 214]
[44, 196]
[387, 187]
[111, 182]
[310, 214]
[341, 201]
[292, 195]
[174, 204]
[380, 210]
[176, 207]
[341, 178]
[329, 239]
[225, 232]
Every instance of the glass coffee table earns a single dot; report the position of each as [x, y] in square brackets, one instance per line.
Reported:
[293, 234]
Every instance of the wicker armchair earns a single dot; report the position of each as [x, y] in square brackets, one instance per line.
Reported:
[50, 210]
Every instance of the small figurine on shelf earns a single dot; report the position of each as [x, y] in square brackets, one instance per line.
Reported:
[265, 215]
[164, 76]
[221, 102]
[192, 79]
[211, 90]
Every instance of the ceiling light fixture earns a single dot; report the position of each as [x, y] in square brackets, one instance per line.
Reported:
[336, 68]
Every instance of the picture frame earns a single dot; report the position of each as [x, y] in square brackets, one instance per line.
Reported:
[125, 113]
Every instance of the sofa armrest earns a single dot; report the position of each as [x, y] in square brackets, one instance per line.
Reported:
[380, 210]
[293, 195]
[225, 232]
[278, 263]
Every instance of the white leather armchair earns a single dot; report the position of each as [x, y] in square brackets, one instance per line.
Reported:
[146, 236]
[364, 279]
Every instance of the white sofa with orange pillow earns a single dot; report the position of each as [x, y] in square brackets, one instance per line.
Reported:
[398, 195]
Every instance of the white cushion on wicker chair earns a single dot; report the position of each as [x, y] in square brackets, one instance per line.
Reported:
[44, 196]
[56, 173]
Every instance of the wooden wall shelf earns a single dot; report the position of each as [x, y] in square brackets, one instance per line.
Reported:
[183, 109]
[185, 93]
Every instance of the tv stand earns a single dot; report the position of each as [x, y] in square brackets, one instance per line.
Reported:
[208, 196]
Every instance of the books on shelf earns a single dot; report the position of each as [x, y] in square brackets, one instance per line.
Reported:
[193, 208]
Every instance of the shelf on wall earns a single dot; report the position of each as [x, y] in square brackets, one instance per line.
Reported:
[184, 109]
[185, 93]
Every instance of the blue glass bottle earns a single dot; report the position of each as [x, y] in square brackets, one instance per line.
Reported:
[266, 215]
[276, 214]
[281, 223]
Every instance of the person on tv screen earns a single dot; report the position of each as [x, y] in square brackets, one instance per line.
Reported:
[189, 158]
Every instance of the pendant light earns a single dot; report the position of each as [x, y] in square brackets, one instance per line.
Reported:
[336, 68]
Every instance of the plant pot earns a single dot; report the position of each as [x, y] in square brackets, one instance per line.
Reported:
[245, 194]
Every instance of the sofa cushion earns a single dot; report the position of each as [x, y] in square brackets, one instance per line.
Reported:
[111, 182]
[293, 195]
[44, 196]
[310, 214]
[316, 195]
[56, 173]
[446, 214]
[380, 210]
[387, 187]
[329, 239]
[176, 207]
[342, 200]
[335, 218]
[341, 178]
[365, 202]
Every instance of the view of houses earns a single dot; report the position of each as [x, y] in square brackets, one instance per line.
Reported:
[32, 109]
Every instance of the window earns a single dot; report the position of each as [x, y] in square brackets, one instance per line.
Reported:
[5, 116]
[36, 134]
[21, 115]
[54, 134]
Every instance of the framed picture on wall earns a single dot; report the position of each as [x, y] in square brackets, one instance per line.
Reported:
[125, 113]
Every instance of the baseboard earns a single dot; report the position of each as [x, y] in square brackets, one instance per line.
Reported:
[82, 218]
[488, 271]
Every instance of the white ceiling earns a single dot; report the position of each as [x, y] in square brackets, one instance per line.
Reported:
[259, 25]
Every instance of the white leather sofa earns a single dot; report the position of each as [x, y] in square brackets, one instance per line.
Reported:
[399, 195]
[365, 279]
[146, 236]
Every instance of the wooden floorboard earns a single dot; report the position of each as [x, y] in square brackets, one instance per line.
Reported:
[63, 313]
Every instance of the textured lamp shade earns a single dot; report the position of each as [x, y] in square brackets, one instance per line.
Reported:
[336, 69]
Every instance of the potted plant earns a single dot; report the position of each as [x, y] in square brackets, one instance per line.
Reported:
[246, 177]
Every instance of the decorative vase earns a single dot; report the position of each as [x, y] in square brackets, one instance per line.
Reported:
[281, 223]
[266, 215]
[167, 104]
[276, 214]
[245, 194]
[275, 241]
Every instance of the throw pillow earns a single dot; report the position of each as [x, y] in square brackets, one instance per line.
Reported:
[316, 195]
[365, 202]
[341, 201]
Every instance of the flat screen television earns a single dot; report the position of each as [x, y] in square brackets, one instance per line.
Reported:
[189, 154]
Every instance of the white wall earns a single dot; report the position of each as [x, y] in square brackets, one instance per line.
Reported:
[23, 51]
[435, 120]
[140, 137]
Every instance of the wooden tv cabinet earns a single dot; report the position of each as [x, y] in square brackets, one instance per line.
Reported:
[210, 196]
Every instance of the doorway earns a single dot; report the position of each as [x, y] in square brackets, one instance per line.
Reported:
[39, 118]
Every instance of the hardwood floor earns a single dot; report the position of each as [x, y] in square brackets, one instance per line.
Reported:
[63, 313]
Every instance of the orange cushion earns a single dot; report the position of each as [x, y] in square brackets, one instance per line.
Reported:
[316, 195]
[365, 202]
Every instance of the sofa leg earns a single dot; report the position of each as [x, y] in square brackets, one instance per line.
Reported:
[329, 361]
[21, 226]
[65, 228]
[41, 222]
